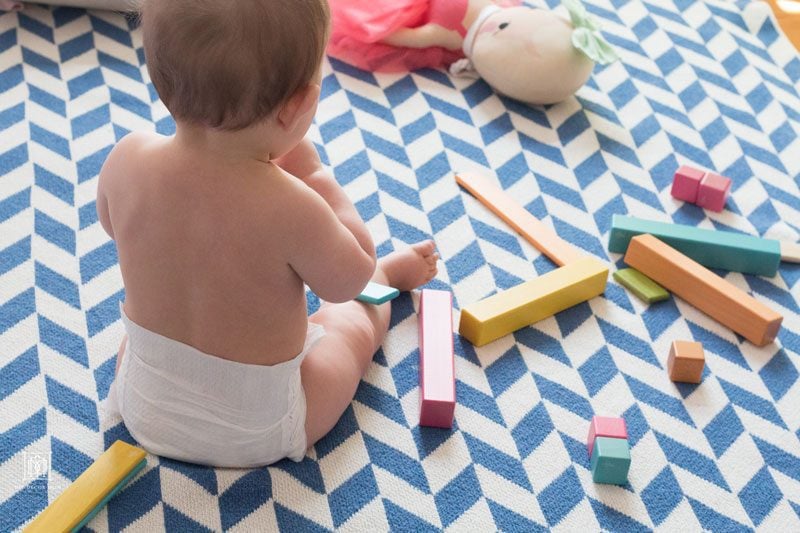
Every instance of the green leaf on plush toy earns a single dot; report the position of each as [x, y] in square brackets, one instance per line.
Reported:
[587, 37]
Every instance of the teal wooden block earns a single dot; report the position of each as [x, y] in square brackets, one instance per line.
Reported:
[643, 287]
[375, 293]
[611, 460]
[714, 249]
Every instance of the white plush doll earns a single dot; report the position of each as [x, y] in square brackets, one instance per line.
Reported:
[532, 55]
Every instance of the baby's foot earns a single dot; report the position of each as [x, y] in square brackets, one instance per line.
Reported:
[411, 267]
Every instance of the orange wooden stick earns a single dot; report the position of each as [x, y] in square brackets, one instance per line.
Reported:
[789, 21]
[713, 295]
[541, 236]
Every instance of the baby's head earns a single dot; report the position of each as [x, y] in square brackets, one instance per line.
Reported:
[233, 65]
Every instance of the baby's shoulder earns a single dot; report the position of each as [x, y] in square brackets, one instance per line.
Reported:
[127, 153]
[126, 159]
[131, 146]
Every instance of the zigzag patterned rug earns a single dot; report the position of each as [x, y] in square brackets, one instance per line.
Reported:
[708, 83]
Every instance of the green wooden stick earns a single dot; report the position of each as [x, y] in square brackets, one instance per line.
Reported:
[640, 285]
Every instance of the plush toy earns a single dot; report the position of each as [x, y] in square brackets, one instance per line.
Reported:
[532, 55]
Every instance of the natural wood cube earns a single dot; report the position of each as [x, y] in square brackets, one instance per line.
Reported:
[686, 362]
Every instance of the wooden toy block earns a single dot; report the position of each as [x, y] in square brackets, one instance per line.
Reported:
[686, 183]
[437, 381]
[711, 248]
[790, 251]
[542, 237]
[706, 189]
[787, 15]
[84, 498]
[713, 192]
[686, 362]
[605, 426]
[643, 287]
[507, 311]
[700, 287]
[375, 293]
[611, 460]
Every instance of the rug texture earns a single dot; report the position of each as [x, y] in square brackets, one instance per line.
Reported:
[711, 83]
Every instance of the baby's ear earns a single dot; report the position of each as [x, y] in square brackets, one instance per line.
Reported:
[299, 106]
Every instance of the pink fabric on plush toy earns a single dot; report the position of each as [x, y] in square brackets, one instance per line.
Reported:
[10, 5]
[359, 26]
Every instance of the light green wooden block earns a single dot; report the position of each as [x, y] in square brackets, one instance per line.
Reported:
[376, 294]
[611, 460]
[640, 285]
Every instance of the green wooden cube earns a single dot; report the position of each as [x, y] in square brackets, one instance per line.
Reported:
[645, 288]
[611, 459]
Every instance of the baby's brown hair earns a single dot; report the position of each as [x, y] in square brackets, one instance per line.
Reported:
[229, 65]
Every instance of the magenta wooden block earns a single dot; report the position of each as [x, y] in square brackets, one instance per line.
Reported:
[713, 192]
[437, 376]
[686, 183]
[605, 426]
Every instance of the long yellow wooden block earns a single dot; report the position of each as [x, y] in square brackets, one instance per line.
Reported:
[87, 494]
[715, 296]
[539, 234]
[534, 300]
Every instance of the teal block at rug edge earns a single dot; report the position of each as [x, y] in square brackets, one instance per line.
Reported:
[611, 459]
[376, 294]
[711, 248]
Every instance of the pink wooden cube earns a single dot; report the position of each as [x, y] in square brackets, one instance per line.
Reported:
[713, 192]
[686, 183]
[605, 426]
[437, 383]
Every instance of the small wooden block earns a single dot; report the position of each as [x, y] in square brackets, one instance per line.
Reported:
[611, 460]
[715, 249]
[643, 287]
[787, 15]
[542, 237]
[790, 251]
[686, 183]
[605, 426]
[507, 311]
[716, 297]
[437, 379]
[713, 192]
[686, 362]
[376, 294]
[86, 495]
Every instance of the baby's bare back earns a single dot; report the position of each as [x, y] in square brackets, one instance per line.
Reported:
[203, 247]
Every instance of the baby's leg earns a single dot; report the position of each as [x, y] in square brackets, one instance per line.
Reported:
[354, 331]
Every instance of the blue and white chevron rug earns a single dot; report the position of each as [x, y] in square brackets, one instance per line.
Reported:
[709, 83]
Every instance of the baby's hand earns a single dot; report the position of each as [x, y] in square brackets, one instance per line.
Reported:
[302, 161]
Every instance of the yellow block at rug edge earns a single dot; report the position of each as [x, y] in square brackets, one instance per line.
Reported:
[86, 492]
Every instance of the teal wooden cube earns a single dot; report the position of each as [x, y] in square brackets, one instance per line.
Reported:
[611, 459]
[376, 294]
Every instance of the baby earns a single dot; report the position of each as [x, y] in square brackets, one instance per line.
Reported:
[219, 227]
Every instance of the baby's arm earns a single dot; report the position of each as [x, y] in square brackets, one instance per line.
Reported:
[102, 210]
[121, 157]
[323, 251]
[304, 163]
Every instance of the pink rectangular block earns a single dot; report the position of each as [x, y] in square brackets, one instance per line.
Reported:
[604, 426]
[437, 376]
[686, 183]
[713, 192]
